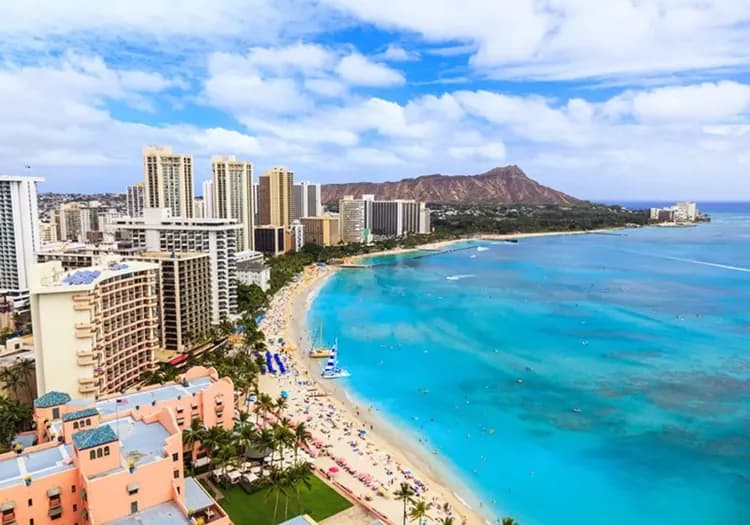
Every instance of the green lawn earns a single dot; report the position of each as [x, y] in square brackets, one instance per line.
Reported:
[319, 501]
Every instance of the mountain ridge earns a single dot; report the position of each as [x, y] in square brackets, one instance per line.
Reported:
[507, 185]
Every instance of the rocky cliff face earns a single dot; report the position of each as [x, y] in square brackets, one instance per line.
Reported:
[503, 185]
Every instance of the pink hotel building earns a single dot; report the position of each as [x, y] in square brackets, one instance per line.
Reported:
[117, 460]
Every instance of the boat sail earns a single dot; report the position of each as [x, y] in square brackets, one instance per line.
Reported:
[321, 350]
[332, 370]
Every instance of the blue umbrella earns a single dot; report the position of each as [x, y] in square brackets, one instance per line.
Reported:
[284, 394]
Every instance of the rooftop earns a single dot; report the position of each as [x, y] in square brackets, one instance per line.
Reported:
[196, 497]
[140, 442]
[94, 437]
[145, 397]
[251, 266]
[162, 514]
[53, 277]
[78, 414]
[302, 519]
[51, 399]
[35, 464]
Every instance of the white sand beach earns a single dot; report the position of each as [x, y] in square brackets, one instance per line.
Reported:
[370, 458]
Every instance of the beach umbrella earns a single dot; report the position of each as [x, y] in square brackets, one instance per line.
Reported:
[284, 394]
[333, 470]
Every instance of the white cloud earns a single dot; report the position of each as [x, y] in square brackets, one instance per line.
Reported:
[396, 53]
[493, 151]
[706, 102]
[564, 39]
[358, 70]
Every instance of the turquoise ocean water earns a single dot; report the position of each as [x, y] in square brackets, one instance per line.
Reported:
[633, 355]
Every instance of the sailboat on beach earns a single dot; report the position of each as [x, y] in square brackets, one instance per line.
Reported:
[318, 349]
[332, 370]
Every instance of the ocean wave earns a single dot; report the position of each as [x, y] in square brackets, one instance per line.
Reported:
[460, 276]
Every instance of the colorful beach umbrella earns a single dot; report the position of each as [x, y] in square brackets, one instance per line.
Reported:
[333, 470]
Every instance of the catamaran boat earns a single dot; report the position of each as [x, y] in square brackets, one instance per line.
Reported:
[332, 370]
[318, 349]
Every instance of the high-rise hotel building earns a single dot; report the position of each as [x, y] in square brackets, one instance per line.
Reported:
[159, 231]
[233, 195]
[352, 220]
[95, 329]
[306, 200]
[169, 180]
[184, 292]
[275, 197]
[19, 235]
[134, 200]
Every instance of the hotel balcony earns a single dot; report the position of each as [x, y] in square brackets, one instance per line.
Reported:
[87, 389]
[86, 358]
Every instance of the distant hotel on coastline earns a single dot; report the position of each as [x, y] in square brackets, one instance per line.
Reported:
[680, 212]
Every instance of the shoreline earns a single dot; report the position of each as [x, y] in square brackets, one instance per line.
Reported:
[441, 245]
[383, 438]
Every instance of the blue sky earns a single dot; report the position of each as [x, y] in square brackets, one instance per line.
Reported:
[623, 99]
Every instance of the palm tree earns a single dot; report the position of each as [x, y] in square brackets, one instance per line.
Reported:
[283, 437]
[281, 404]
[277, 486]
[299, 475]
[11, 381]
[248, 435]
[265, 441]
[419, 510]
[195, 434]
[25, 370]
[263, 405]
[213, 439]
[509, 521]
[405, 494]
[301, 437]
[225, 456]
[447, 521]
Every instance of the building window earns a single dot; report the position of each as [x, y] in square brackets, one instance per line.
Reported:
[31, 521]
[92, 454]
[106, 451]
[75, 507]
[73, 489]
[30, 502]
[99, 452]
[75, 424]
[56, 413]
[175, 456]
[176, 474]
[133, 507]
[88, 422]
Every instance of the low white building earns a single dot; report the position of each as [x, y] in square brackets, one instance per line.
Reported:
[254, 272]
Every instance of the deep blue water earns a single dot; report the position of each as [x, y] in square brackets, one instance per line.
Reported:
[646, 334]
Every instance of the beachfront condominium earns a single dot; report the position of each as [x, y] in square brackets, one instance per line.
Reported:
[396, 218]
[117, 460]
[95, 328]
[169, 180]
[134, 200]
[306, 200]
[275, 197]
[270, 240]
[159, 231]
[208, 199]
[323, 230]
[184, 292]
[19, 235]
[233, 195]
[352, 220]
